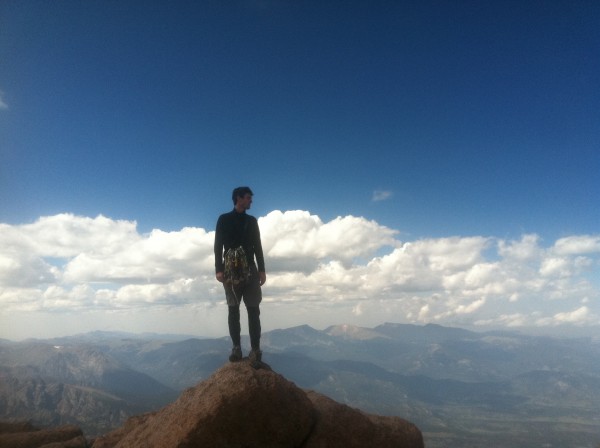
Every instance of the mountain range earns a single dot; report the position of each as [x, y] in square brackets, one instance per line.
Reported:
[461, 388]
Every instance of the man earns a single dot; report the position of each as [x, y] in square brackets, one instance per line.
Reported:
[236, 230]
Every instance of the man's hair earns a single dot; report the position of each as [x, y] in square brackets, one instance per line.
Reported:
[240, 192]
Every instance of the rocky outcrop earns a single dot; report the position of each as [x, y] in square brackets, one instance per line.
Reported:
[239, 406]
[338, 425]
[24, 435]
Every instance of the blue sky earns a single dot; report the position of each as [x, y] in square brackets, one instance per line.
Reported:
[433, 120]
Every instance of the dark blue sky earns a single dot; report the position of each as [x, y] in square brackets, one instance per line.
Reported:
[476, 118]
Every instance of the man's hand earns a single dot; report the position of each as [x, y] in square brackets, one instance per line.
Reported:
[220, 277]
[262, 277]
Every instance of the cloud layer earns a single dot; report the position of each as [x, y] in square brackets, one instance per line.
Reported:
[348, 268]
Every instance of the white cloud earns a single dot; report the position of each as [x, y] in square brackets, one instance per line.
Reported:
[349, 269]
[555, 267]
[297, 239]
[506, 320]
[3, 105]
[381, 195]
[579, 244]
[579, 315]
[66, 235]
[528, 248]
[157, 257]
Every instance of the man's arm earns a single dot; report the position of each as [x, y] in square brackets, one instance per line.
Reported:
[260, 259]
[218, 249]
[258, 250]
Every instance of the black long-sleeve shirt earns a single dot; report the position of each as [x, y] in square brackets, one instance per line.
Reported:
[238, 229]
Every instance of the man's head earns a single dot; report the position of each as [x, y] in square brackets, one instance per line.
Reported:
[242, 196]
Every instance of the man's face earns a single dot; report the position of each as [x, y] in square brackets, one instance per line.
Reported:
[245, 201]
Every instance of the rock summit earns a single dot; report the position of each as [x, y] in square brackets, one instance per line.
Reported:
[240, 406]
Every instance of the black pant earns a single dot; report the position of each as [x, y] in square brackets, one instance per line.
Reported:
[253, 325]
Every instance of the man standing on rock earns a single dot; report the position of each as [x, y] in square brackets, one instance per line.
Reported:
[237, 243]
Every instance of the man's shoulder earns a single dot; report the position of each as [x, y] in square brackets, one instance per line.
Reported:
[226, 215]
[235, 215]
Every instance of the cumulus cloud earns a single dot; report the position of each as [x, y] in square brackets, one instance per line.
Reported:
[581, 314]
[527, 248]
[344, 269]
[303, 240]
[579, 244]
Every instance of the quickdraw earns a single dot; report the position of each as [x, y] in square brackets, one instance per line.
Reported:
[236, 271]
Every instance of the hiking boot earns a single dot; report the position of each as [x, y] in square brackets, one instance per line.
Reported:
[255, 356]
[236, 354]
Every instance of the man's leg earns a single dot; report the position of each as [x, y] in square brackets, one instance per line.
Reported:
[252, 299]
[254, 330]
[234, 324]
[233, 319]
